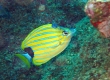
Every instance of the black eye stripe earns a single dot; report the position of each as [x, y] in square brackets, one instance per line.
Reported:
[29, 51]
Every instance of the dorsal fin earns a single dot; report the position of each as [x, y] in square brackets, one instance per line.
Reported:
[54, 24]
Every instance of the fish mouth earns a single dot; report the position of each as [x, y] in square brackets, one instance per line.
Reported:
[73, 30]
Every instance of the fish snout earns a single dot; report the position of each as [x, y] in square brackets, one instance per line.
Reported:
[73, 31]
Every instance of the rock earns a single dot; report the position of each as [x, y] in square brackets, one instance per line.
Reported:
[2, 41]
[41, 7]
[99, 13]
[24, 2]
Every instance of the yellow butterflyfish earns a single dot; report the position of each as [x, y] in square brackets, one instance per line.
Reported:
[44, 43]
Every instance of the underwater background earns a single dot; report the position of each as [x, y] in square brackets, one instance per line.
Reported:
[87, 56]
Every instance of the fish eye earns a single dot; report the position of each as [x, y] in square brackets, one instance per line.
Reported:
[65, 33]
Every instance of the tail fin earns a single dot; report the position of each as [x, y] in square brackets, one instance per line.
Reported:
[25, 59]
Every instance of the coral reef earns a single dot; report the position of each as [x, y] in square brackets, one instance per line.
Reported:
[99, 12]
[86, 58]
[2, 41]
[24, 2]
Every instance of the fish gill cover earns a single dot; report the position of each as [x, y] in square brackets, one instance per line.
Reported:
[85, 58]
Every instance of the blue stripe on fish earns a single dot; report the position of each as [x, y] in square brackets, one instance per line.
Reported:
[47, 41]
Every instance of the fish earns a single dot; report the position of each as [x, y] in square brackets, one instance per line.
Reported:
[44, 43]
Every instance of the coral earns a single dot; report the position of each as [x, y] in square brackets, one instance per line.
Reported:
[99, 13]
[41, 7]
[61, 61]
